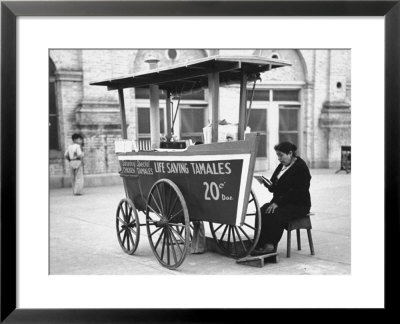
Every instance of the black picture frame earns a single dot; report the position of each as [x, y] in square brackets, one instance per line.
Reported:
[10, 11]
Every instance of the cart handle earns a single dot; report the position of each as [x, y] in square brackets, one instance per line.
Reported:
[176, 112]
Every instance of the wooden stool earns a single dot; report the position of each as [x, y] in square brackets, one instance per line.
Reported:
[298, 224]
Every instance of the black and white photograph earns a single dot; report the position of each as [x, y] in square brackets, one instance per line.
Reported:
[164, 160]
[175, 161]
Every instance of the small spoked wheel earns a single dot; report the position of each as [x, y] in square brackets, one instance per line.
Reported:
[239, 241]
[167, 222]
[128, 226]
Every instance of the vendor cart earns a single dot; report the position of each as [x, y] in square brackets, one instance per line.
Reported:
[174, 184]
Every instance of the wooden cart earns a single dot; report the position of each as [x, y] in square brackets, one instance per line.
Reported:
[208, 182]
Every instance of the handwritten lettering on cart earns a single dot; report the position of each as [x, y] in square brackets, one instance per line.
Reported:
[212, 191]
[128, 167]
[145, 167]
[214, 176]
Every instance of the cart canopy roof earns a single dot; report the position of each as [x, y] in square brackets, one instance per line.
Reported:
[193, 75]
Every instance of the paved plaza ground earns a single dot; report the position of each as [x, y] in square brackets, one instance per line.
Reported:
[83, 240]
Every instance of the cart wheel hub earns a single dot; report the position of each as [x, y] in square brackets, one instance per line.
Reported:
[161, 223]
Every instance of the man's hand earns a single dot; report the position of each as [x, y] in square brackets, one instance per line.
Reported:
[271, 208]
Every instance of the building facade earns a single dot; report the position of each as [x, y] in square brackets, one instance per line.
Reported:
[307, 103]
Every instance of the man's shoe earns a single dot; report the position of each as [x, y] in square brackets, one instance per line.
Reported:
[268, 248]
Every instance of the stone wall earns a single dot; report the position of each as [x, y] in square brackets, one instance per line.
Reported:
[323, 76]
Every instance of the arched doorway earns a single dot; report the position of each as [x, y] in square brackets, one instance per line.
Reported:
[54, 141]
[278, 106]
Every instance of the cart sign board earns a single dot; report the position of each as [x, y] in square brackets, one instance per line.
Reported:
[211, 185]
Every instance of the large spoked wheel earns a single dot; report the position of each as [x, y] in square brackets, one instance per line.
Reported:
[167, 222]
[128, 226]
[239, 241]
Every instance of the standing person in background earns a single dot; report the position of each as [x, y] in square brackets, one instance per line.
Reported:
[291, 197]
[74, 154]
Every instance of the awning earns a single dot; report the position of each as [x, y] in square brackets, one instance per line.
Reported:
[193, 75]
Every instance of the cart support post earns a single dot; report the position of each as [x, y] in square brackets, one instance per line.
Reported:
[154, 107]
[213, 104]
[242, 105]
[169, 115]
[154, 117]
[122, 111]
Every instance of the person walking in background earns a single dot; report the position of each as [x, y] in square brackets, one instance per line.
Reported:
[290, 184]
[74, 154]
